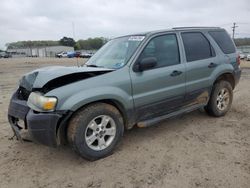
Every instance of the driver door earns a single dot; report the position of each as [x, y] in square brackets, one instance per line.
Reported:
[161, 89]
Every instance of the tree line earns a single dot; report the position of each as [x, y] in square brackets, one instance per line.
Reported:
[242, 41]
[88, 44]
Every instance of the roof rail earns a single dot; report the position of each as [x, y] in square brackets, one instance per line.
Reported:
[196, 28]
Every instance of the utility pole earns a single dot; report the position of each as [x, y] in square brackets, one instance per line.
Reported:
[234, 26]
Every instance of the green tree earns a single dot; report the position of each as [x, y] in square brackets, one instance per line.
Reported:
[91, 43]
[77, 46]
[88, 44]
[67, 41]
[242, 41]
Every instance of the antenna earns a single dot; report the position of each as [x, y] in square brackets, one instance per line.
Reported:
[73, 29]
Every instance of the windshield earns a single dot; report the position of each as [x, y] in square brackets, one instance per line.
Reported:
[115, 53]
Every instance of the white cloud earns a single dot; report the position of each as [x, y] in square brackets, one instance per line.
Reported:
[47, 19]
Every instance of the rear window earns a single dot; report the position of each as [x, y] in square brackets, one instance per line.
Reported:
[224, 41]
[196, 46]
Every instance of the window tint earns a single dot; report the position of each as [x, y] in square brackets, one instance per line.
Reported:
[196, 46]
[164, 48]
[224, 41]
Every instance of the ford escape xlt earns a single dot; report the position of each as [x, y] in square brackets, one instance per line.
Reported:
[132, 80]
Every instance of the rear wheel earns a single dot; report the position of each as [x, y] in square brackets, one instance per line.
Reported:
[95, 131]
[220, 100]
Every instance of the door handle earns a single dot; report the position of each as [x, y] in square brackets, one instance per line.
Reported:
[212, 65]
[175, 73]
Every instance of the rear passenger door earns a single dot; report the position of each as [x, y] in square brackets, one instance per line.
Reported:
[200, 63]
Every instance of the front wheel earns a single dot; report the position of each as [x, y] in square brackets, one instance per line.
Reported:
[220, 100]
[95, 131]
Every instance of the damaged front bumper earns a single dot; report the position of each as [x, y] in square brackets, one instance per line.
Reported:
[44, 128]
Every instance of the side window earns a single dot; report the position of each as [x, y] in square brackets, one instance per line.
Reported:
[164, 48]
[224, 41]
[196, 46]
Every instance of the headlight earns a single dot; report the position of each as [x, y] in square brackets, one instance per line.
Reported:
[38, 102]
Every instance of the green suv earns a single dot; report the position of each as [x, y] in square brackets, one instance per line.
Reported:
[138, 79]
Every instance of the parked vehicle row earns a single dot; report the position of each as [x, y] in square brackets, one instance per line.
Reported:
[243, 56]
[74, 54]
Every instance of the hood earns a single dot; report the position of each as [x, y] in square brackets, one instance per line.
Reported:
[56, 76]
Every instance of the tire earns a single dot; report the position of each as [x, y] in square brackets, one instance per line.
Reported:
[215, 106]
[87, 131]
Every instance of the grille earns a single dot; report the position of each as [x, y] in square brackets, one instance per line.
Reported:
[23, 94]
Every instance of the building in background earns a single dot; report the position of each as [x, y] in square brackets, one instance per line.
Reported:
[48, 51]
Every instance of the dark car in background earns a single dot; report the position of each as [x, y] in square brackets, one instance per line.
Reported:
[71, 54]
[77, 54]
[5, 55]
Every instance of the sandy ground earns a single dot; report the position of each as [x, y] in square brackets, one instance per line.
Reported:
[194, 150]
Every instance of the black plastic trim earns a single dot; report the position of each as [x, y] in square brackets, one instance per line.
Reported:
[237, 74]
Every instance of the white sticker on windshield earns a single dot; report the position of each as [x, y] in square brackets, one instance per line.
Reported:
[136, 38]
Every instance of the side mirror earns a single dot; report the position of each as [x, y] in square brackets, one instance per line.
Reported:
[145, 64]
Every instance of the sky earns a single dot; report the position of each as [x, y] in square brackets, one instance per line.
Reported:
[81, 19]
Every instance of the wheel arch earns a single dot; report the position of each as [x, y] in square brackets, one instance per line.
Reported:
[118, 105]
[61, 130]
[227, 76]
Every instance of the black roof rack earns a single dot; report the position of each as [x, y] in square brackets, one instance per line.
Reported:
[196, 28]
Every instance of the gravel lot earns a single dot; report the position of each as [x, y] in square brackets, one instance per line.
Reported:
[194, 150]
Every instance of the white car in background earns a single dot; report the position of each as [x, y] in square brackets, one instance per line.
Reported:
[242, 56]
[248, 57]
[62, 54]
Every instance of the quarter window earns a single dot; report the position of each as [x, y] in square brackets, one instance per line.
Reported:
[196, 46]
[164, 48]
[224, 41]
